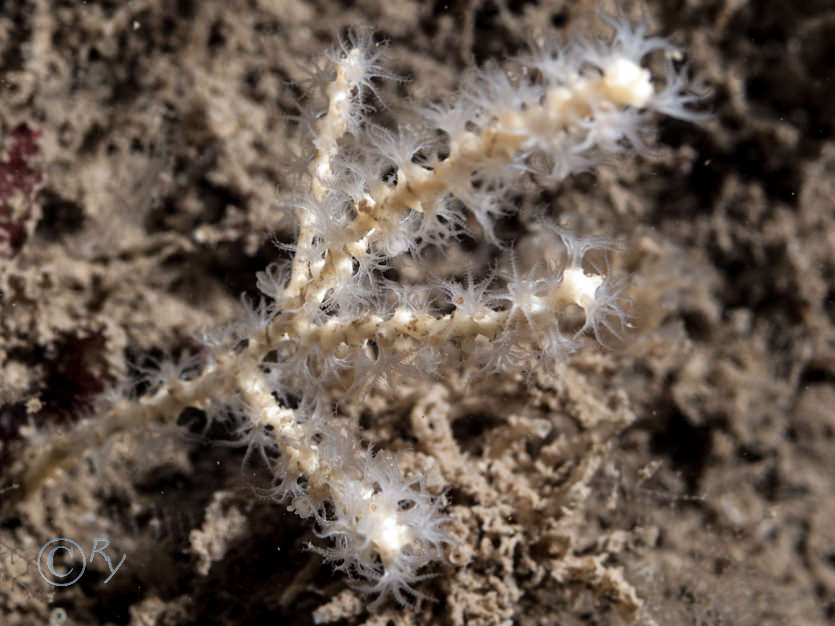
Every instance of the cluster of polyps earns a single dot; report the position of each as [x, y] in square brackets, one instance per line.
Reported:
[331, 320]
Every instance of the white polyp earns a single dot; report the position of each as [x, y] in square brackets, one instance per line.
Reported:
[345, 266]
[353, 67]
[557, 96]
[467, 143]
[390, 536]
[579, 287]
[367, 199]
[339, 97]
[252, 385]
[628, 82]
[323, 170]
[402, 317]
[535, 304]
[312, 465]
[273, 414]
[488, 317]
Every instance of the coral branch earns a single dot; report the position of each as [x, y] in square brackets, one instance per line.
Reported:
[334, 322]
